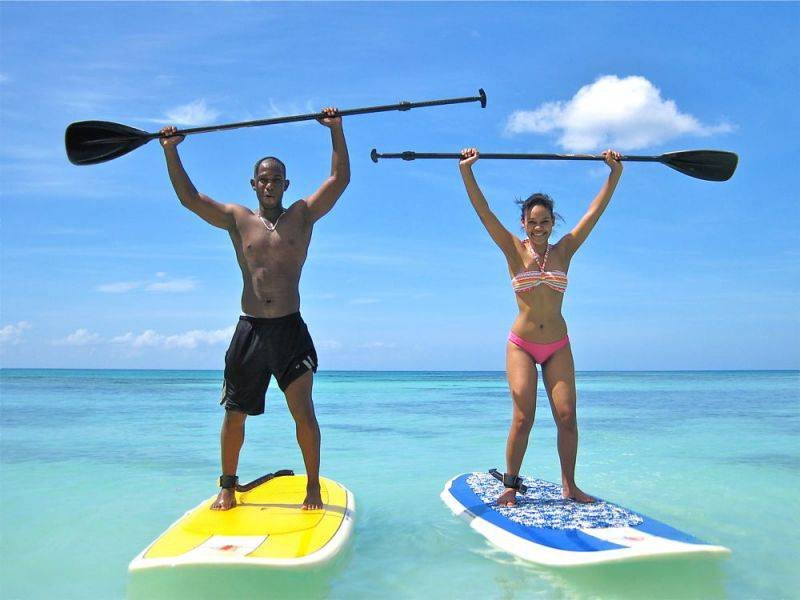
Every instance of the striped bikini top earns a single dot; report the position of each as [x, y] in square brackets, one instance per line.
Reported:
[527, 280]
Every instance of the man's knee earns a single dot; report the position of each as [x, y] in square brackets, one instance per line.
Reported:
[299, 385]
[234, 418]
[304, 415]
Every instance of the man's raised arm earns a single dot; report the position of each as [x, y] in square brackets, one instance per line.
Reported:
[219, 215]
[322, 201]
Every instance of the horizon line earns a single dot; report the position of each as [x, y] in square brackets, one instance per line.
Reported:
[790, 370]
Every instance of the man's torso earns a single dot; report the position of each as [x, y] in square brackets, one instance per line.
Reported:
[271, 261]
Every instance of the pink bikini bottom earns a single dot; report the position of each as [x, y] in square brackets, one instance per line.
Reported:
[538, 352]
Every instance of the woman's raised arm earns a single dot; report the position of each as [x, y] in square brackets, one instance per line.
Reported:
[506, 241]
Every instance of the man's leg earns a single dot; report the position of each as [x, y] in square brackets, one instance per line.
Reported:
[298, 397]
[231, 440]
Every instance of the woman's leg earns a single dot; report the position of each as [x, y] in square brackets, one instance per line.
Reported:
[521, 372]
[558, 373]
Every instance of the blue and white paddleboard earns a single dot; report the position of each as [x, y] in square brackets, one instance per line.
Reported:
[546, 529]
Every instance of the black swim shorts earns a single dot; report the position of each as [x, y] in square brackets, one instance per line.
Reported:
[261, 348]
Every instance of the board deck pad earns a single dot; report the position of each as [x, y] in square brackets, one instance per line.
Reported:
[267, 528]
[547, 529]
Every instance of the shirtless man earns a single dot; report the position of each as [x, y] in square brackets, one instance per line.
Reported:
[271, 338]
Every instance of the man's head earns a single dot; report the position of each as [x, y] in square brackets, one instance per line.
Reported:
[269, 181]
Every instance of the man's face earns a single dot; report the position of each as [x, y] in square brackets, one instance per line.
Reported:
[269, 184]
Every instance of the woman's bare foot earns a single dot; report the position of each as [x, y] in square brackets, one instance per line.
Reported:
[575, 493]
[508, 498]
[226, 500]
[313, 499]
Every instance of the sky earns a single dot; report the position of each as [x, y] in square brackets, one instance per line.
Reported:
[103, 268]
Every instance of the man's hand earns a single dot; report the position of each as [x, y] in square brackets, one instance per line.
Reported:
[331, 118]
[172, 140]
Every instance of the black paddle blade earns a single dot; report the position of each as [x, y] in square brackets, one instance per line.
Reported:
[711, 165]
[92, 142]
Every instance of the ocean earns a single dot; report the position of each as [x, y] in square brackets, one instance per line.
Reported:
[97, 463]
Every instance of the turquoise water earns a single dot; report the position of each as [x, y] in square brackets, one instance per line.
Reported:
[95, 464]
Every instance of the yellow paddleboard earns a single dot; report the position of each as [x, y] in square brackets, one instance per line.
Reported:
[266, 528]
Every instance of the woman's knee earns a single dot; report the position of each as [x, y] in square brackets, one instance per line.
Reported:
[522, 420]
[522, 423]
[566, 419]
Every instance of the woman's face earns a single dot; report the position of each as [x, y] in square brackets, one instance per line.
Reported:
[538, 224]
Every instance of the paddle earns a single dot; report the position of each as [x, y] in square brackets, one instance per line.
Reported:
[92, 142]
[711, 165]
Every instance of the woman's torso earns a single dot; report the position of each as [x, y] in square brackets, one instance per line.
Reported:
[539, 299]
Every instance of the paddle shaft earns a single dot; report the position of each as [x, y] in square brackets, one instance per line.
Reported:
[401, 106]
[451, 155]
[711, 165]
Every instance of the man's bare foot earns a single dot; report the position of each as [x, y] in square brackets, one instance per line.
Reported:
[225, 500]
[575, 493]
[508, 498]
[313, 499]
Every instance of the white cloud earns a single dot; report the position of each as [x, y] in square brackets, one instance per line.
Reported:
[196, 337]
[364, 301]
[623, 113]
[168, 286]
[328, 345]
[378, 345]
[275, 110]
[4, 78]
[80, 337]
[191, 115]
[148, 339]
[12, 334]
[187, 340]
[119, 287]
[174, 285]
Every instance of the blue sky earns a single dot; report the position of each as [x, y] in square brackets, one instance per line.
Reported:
[102, 267]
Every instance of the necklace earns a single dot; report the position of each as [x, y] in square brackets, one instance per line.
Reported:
[543, 263]
[271, 226]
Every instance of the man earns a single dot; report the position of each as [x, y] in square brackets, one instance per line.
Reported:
[271, 338]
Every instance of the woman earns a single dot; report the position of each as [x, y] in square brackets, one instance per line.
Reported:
[539, 335]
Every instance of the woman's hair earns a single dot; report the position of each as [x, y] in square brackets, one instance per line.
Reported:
[539, 199]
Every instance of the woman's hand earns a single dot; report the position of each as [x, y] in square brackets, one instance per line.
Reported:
[468, 157]
[611, 158]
